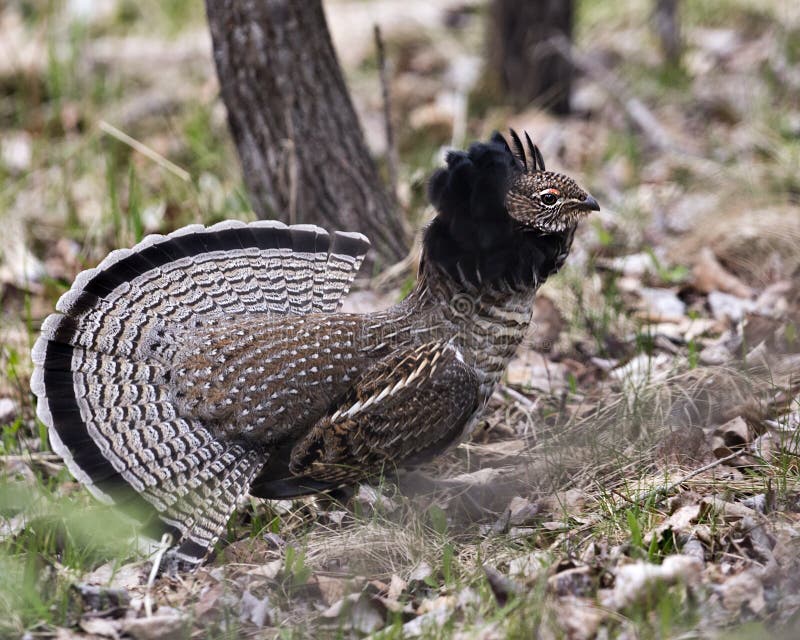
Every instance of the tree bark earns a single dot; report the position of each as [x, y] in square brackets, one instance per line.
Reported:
[527, 68]
[299, 140]
[667, 25]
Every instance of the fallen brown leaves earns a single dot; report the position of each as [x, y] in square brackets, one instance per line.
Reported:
[638, 470]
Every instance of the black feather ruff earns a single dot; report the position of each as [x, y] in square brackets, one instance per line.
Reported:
[473, 237]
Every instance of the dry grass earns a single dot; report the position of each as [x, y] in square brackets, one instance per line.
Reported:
[562, 491]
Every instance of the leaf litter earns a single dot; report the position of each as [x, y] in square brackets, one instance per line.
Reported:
[641, 456]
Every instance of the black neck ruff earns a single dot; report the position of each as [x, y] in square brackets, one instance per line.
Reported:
[502, 254]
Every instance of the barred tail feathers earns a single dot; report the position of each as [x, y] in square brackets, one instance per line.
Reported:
[103, 391]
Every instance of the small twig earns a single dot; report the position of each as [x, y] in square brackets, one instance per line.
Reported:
[622, 496]
[156, 157]
[45, 459]
[34, 456]
[659, 493]
[166, 543]
[391, 146]
[526, 403]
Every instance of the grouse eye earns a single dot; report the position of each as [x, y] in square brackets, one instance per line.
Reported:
[549, 198]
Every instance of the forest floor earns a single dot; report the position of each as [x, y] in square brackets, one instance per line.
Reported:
[637, 474]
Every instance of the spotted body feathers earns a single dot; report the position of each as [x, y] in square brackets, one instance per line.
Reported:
[181, 374]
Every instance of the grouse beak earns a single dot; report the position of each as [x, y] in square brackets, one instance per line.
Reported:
[589, 204]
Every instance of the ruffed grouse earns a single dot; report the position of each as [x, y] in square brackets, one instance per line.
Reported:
[183, 373]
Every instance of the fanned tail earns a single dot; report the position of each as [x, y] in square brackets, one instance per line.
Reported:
[103, 383]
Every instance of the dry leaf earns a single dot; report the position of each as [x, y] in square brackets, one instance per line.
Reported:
[362, 612]
[101, 627]
[171, 626]
[502, 588]
[336, 609]
[694, 549]
[520, 533]
[731, 436]
[396, 587]
[661, 304]
[710, 275]
[8, 410]
[395, 606]
[577, 581]
[715, 354]
[255, 610]
[727, 307]
[434, 604]
[773, 300]
[102, 598]
[480, 477]
[768, 447]
[693, 328]
[208, 601]
[580, 618]
[642, 369]
[635, 265]
[270, 570]
[531, 370]
[731, 511]
[331, 589]
[420, 572]
[632, 581]
[745, 589]
[371, 497]
[367, 615]
[128, 576]
[683, 521]
[529, 566]
[13, 526]
[16, 151]
[427, 622]
[522, 511]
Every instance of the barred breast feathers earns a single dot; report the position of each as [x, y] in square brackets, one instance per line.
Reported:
[101, 364]
[184, 372]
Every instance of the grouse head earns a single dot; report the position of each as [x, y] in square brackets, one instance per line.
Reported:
[544, 200]
[501, 215]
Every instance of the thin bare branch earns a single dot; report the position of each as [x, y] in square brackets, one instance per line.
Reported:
[524, 402]
[659, 493]
[391, 146]
[146, 151]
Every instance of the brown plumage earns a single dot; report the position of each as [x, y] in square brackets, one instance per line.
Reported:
[194, 368]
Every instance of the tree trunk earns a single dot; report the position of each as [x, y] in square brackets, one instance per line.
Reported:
[527, 68]
[299, 140]
[667, 25]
